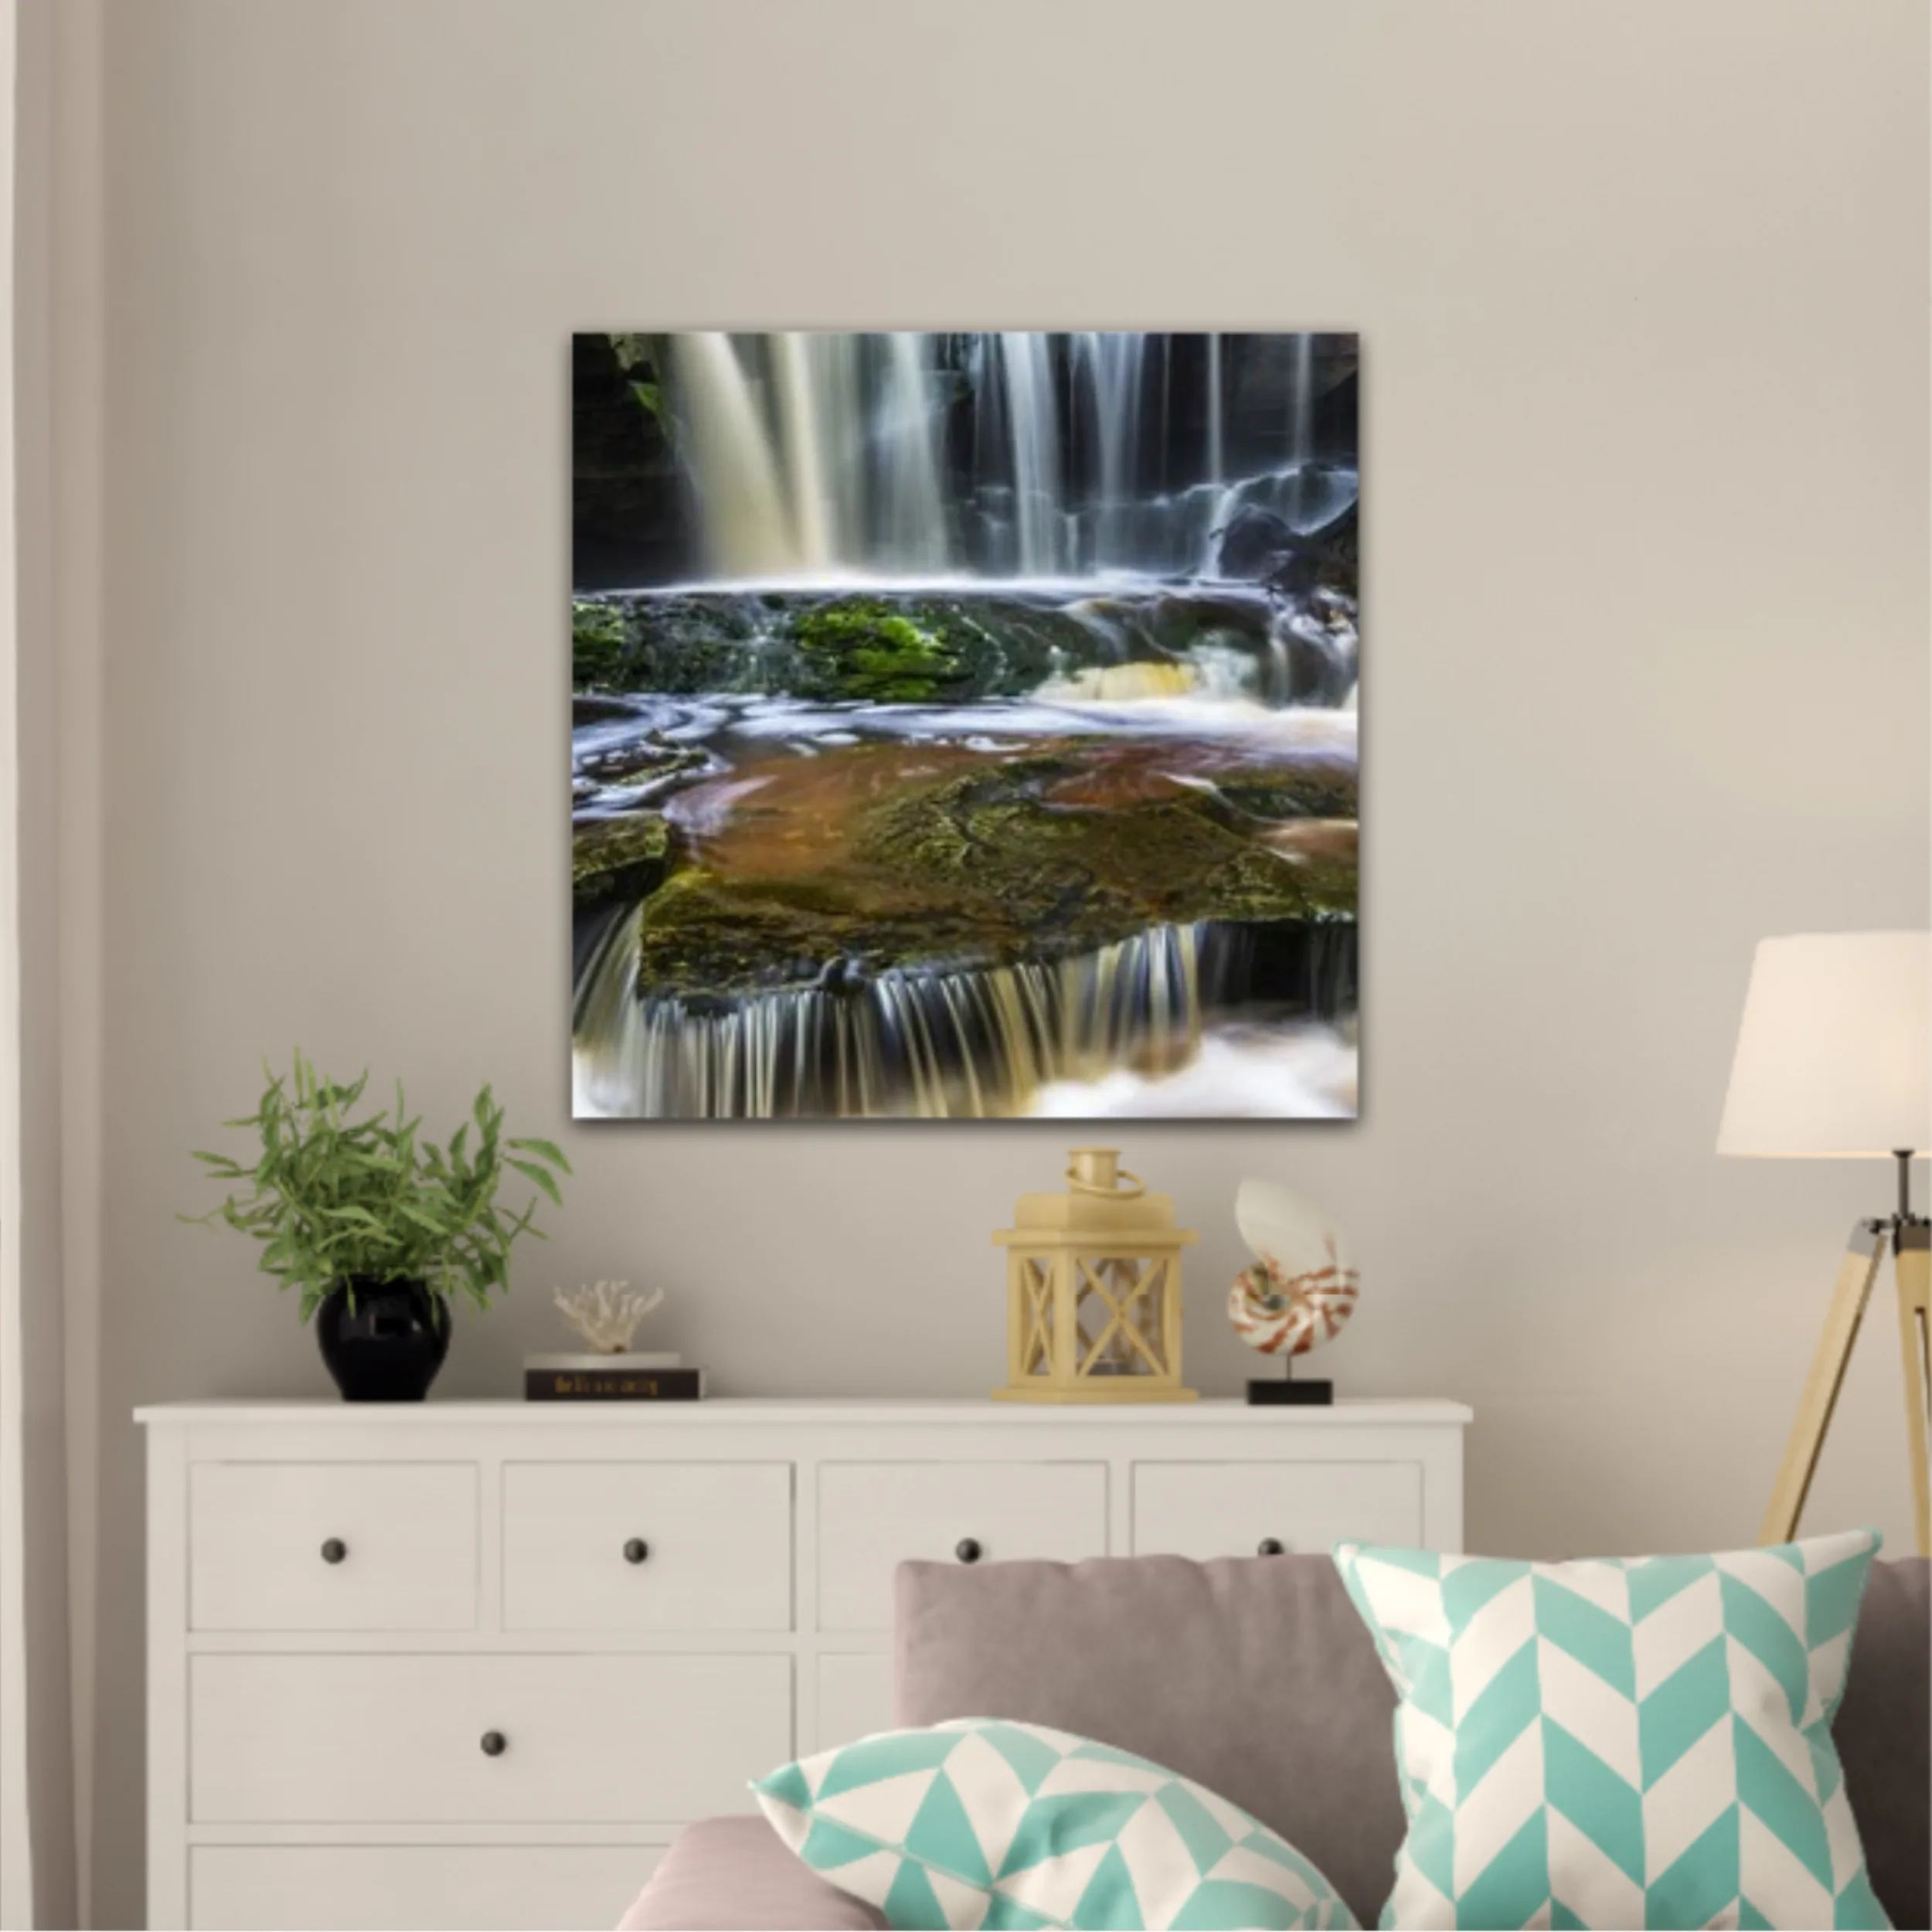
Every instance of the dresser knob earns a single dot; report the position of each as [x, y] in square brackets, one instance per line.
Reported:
[334, 1550]
[1271, 1547]
[495, 1743]
[636, 1550]
[967, 1549]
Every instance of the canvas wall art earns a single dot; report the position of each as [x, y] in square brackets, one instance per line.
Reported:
[964, 725]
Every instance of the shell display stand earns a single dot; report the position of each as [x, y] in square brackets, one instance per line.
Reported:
[1299, 1293]
[1285, 1388]
[1093, 1290]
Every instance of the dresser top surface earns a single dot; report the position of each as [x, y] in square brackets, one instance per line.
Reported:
[719, 1411]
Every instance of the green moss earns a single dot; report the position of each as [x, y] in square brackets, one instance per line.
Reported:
[980, 869]
[597, 642]
[863, 649]
[621, 857]
[1085, 876]
[911, 645]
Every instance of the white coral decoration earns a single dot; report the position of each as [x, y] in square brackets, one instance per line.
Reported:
[607, 1314]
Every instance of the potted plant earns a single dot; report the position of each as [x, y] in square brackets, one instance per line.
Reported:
[376, 1227]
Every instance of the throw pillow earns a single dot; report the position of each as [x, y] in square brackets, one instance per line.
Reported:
[987, 1824]
[1624, 1744]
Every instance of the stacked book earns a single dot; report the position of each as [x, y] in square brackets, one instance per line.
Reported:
[610, 1378]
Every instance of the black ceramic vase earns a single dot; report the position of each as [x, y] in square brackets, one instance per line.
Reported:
[383, 1341]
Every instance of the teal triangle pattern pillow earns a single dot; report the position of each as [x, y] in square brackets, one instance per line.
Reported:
[1622, 1744]
[981, 1823]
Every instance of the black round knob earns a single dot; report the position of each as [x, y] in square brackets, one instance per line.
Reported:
[334, 1550]
[636, 1550]
[967, 1549]
[495, 1743]
[1271, 1547]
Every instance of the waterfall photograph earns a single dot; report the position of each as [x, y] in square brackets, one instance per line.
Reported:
[963, 726]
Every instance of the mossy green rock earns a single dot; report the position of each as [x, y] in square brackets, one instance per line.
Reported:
[597, 644]
[621, 858]
[863, 649]
[898, 646]
[983, 868]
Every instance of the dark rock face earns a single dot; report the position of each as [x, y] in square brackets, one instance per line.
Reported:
[1256, 543]
[629, 518]
[616, 859]
[1261, 545]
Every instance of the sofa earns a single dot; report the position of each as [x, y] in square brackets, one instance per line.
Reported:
[1255, 1677]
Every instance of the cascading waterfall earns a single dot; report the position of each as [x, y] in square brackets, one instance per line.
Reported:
[973, 648]
[1112, 364]
[818, 456]
[969, 1043]
[914, 535]
[748, 526]
[1301, 424]
[811, 489]
[838, 467]
[1216, 418]
[1033, 426]
[1301, 420]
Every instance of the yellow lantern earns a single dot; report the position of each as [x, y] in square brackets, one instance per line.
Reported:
[1093, 1290]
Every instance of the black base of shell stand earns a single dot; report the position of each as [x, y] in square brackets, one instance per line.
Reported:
[1313, 1395]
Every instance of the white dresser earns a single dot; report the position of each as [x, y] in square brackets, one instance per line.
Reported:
[472, 1663]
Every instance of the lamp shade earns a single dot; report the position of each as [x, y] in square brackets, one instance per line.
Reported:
[1833, 1052]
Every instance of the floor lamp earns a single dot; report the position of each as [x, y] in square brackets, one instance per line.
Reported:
[1832, 1061]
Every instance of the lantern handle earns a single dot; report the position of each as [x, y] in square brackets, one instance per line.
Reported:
[1079, 1186]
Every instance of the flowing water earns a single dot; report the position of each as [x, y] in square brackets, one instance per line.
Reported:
[965, 584]
[972, 1044]
[815, 456]
[1217, 430]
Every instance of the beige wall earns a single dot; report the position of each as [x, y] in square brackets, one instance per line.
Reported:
[1642, 288]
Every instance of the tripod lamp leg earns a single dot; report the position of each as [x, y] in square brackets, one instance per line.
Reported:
[1855, 1275]
[1913, 1258]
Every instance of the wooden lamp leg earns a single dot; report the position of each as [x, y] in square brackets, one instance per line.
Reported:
[1912, 1257]
[1855, 1275]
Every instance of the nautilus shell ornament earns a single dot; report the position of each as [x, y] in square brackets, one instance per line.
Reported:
[1301, 1287]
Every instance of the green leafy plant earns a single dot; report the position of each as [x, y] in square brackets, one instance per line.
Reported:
[330, 1197]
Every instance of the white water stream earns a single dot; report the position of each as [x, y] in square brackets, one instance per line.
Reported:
[814, 456]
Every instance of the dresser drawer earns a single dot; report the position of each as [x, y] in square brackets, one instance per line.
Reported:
[1204, 1509]
[434, 1888]
[643, 1546]
[332, 1545]
[398, 1740]
[855, 1698]
[873, 1516]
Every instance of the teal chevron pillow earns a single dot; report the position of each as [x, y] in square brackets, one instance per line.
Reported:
[1622, 1744]
[982, 1823]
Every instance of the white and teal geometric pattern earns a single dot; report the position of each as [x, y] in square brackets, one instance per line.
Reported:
[981, 1823]
[1622, 1744]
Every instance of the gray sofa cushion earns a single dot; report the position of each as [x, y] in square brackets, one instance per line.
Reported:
[1256, 1677]
[1884, 1734]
